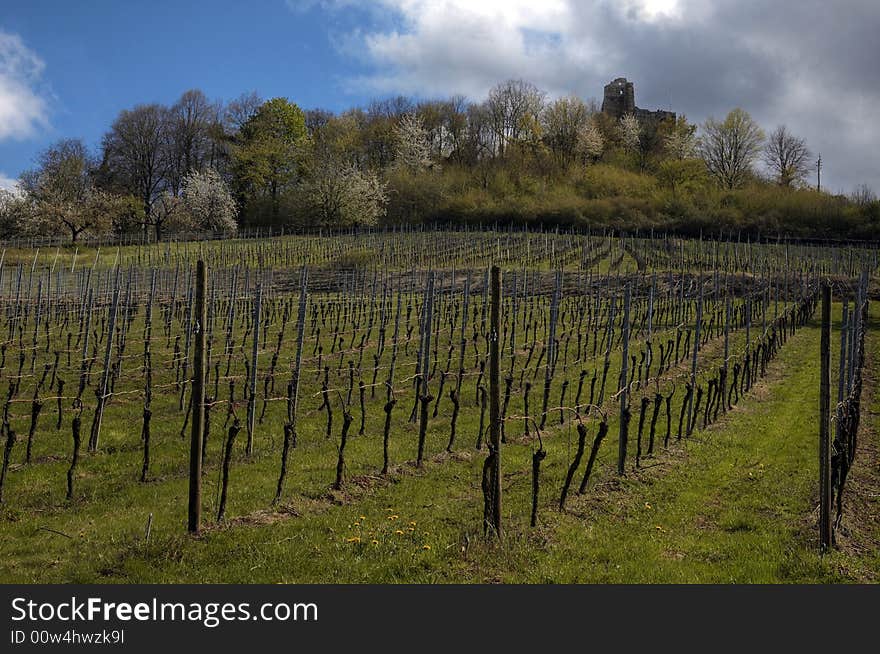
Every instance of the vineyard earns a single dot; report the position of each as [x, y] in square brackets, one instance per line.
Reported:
[348, 430]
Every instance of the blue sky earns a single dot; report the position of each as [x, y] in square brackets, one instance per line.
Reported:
[101, 56]
[67, 67]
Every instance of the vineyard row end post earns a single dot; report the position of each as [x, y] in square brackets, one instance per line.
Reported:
[198, 401]
[824, 422]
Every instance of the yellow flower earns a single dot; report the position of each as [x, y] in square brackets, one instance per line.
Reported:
[426, 547]
[393, 517]
[399, 531]
[357, 524]
[353, 539]
[363, 517]
[374, 542]
[412, 524]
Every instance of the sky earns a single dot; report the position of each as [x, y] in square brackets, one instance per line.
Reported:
[68, 68]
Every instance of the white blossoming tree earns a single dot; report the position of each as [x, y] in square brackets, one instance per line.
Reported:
[412, 145]
[208, 201]
[629, 131]
[342, 194]
[590, 142]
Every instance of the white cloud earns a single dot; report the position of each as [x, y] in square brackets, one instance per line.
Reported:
[23, 109]
[7, 183]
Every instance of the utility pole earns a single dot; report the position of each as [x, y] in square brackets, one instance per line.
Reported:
[819, 173]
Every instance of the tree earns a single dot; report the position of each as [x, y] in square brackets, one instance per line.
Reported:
[337, 189]
[412, 148]
[681, 174]
[454, 117]
[316, 119]
[563, 120]
[681, 142]
[61, 189]
[590, 142]
[113, 212]
[341, 194]
[208, 201]
[730, 148]
[169, 212]
[269, 152]
[863, 195]
[15, 213]
[239, 111]
[629, 131]
[787, 157]
[191, 122]
[514, 107]
[136, 156]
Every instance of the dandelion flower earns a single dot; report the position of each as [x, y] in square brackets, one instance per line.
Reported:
[353, 539]
[399, 531]
[426, 547]
[412, 524]
[374, 542]
[393, 517]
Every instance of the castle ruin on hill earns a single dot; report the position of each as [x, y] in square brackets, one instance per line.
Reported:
[620, 99]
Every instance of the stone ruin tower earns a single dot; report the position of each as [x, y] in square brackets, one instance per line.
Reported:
[620, 99]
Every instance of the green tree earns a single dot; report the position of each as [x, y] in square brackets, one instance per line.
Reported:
[268, 157]
[681, 175]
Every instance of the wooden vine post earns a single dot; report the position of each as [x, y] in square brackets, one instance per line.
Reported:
[252, 390]
[692, 408]
[824, 422]
[493, 488]
[105, 376]
[198, 401]
[623, 386]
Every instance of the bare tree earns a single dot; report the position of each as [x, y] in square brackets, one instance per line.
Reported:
[241, 110]
[189, 134]
[514, 107]
[787, 157]
[730, 148]
[136, 153]
[317, 119]
[455, 121]
[863, 195]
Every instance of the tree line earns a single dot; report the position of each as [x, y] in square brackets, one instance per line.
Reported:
[517, 156]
